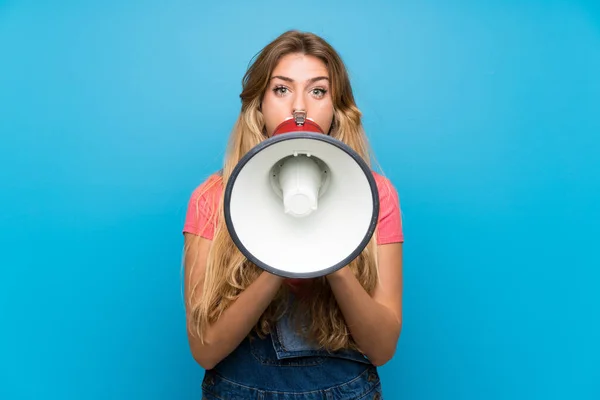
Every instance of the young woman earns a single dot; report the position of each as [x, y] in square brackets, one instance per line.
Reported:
[258, 335]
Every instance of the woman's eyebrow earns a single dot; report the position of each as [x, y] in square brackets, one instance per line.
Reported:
[311, 80]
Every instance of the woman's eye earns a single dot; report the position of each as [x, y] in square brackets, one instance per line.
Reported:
[279, 90]
[319, 92]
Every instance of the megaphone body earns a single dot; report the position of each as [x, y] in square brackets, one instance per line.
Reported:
[301, 204]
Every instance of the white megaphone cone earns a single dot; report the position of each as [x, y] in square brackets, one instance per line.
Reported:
[301, 204]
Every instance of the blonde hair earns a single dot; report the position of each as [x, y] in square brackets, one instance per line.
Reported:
[228, 272]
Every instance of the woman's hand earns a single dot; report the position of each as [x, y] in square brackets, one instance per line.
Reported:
[374, 321]
[237, 321]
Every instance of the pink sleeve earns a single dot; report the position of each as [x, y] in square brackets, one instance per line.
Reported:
[200, 218]
[389, 228]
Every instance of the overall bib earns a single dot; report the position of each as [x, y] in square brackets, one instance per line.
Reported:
[285, 367]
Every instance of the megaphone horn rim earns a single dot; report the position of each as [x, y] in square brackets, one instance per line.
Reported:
[292, 136]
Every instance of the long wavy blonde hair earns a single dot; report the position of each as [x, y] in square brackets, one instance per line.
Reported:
[228, 272]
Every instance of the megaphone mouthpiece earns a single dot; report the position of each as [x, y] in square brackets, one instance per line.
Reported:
[301, 124]
[299, 117]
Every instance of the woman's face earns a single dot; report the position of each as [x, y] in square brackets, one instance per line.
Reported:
[298, 82]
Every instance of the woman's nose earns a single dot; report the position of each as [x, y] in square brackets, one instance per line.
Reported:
[298, 103]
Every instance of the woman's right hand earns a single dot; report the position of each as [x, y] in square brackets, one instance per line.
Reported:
[237, 320]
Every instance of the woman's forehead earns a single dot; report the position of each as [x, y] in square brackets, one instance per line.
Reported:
[300, 68]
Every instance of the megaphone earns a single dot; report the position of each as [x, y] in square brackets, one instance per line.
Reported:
[301, 204]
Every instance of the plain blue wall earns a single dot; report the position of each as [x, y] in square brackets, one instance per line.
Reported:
[483, 114]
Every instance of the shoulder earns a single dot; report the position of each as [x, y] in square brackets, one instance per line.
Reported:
[389, 228]
[209, 190]
[211, 185]
[385, 187]
[202, 206]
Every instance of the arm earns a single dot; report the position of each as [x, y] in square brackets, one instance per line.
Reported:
[240, 317]
[374, 322]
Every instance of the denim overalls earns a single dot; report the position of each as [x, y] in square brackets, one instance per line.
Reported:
[284, 367]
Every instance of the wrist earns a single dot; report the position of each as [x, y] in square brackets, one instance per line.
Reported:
[339, 275]
[272, 278]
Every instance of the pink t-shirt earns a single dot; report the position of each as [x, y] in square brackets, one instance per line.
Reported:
[200, 210]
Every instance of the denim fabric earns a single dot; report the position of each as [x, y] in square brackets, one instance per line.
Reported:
[285, 367]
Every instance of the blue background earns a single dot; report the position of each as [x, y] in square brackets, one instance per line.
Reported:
[483, 114]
